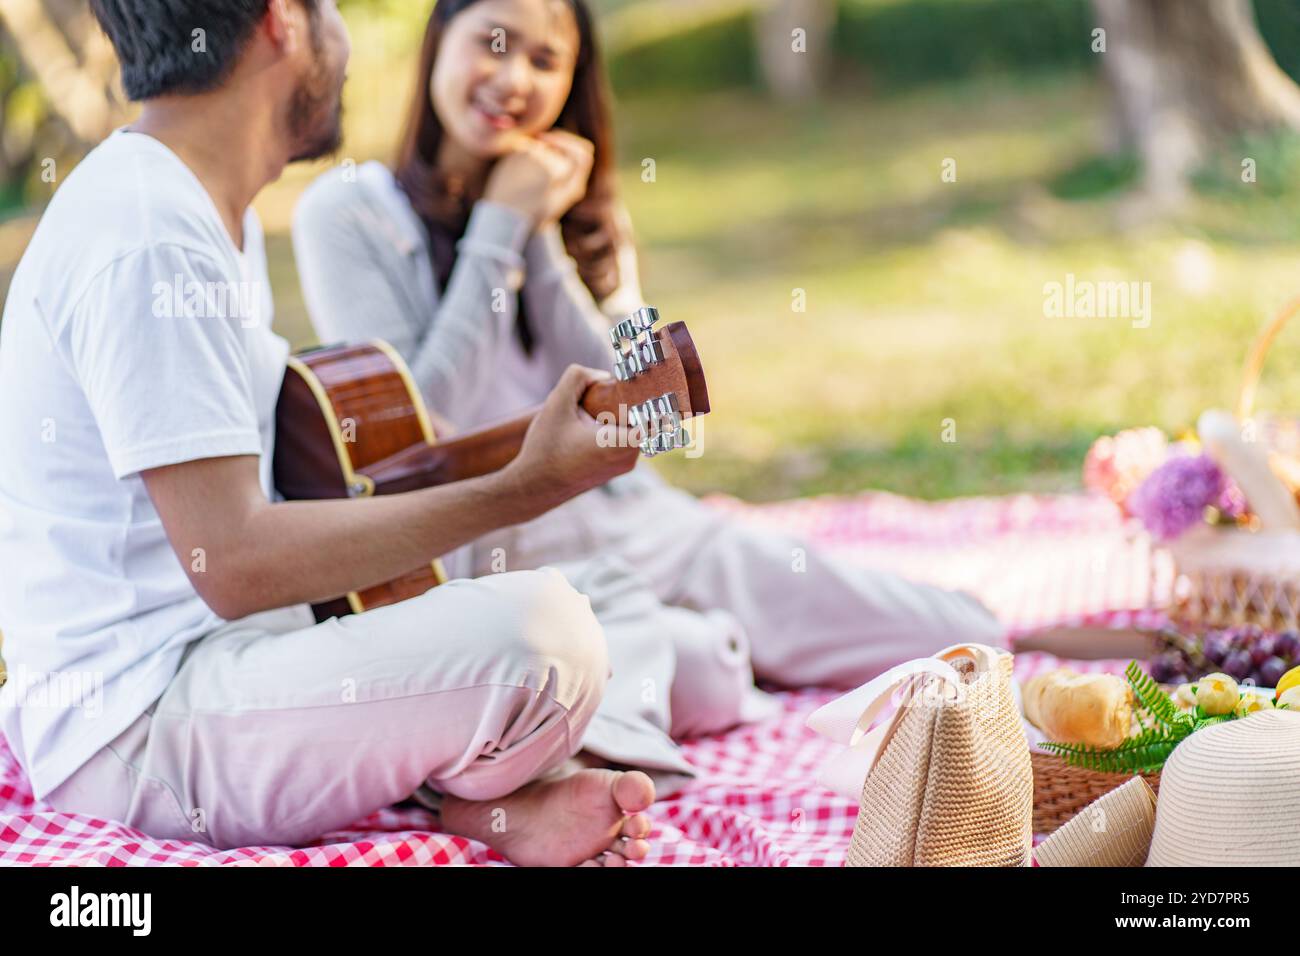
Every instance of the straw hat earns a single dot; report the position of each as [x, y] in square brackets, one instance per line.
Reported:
[1229, 795]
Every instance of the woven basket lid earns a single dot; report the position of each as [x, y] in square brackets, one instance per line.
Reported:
[1230, 795]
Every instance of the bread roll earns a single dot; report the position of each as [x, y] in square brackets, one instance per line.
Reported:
[1093, 709]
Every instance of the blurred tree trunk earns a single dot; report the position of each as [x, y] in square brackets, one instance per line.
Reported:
[64, 49]
[793, 43]
[1186, 74]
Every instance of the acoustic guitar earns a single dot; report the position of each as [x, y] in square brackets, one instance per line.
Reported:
[351, 423]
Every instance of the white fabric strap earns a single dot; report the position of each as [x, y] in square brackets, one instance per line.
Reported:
[847, 719]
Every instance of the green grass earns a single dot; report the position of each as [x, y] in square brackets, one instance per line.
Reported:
[925, 298]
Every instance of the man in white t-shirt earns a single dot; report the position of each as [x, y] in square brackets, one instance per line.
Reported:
[164, 666]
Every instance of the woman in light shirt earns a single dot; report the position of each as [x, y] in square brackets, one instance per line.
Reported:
[496, 253]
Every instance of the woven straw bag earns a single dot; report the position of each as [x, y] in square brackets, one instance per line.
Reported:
[1229, 577]
[946, 781]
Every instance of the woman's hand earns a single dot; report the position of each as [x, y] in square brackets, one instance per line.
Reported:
[544, 177]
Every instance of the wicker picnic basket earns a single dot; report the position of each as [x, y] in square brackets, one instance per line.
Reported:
[1223, 577]
[1230, 577]
[1062, 790]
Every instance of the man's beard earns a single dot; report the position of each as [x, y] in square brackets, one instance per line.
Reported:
[316, 117]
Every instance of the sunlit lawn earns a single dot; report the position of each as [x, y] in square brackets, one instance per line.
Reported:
[924, 298]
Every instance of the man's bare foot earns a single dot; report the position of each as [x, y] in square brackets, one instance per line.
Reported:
[590, 818]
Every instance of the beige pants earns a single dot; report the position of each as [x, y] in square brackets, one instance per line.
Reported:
[684, 590]
[652, 622]
[804, 619]
[276, 730]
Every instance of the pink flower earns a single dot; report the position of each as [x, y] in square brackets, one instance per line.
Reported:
[1115, 466]
[1232, 502]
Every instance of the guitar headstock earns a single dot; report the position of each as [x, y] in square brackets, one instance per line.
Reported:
[660, 380]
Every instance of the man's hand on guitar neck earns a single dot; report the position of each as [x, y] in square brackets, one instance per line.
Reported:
[245, 554]
[564, 451]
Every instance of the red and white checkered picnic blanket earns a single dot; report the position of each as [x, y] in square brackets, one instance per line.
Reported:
[1037, 561]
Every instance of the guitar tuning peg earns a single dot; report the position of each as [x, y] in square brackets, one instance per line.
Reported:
[662, 420]
[642, 348]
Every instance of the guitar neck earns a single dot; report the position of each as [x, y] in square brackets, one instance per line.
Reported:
[474, 453]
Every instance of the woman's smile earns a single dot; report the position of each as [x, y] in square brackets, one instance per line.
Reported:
[494, 115]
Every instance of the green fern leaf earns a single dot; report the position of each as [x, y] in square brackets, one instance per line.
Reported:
[1156, 702]
[1211, 721]
[1143, 753]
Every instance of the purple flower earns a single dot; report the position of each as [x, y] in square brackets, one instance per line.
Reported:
[1174, 497]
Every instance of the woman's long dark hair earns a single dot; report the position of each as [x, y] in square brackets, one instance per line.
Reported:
[590, 228]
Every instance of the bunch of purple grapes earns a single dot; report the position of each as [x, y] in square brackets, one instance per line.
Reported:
[1243, 653]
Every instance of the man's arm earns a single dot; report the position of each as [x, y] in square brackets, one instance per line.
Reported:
[256, 555]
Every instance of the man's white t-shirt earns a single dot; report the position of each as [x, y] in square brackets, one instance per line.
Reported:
[135, 335]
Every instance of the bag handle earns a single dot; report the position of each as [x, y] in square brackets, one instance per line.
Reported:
[847, 719]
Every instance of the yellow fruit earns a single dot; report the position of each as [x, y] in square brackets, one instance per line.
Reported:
[1290, 700]
[1290, 679]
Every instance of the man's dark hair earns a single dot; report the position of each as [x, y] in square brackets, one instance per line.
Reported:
[161, 50]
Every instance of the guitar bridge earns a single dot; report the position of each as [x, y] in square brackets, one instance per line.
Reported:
[661, 419]
[635, 346]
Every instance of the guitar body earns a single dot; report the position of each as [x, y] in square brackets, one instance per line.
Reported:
[341, 411]
[351, 423]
